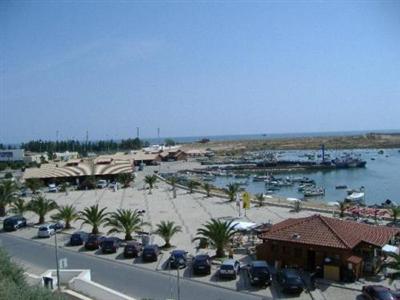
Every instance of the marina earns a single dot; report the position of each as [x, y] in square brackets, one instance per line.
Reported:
[378, 177]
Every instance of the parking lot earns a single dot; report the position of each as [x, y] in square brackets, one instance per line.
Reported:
[190, 211]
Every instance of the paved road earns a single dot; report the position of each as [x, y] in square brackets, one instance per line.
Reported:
[131, 280]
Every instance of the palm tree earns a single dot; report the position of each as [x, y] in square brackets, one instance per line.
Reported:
[260, 198]
[33, 184]
[8, 194]
[173, 181]
[342, 208]
[19, 206]
[67, 213]
[231, 190]
[393, 264]
[150, 180]
[93, 216]
[207, 188]
[125, 179]
[166, 229]
[126, 221]
[395, 212]
[41, 206]
[217, 233]
[192, 185]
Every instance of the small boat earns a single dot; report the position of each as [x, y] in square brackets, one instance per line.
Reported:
[260, 178]
[241, 176]
[317, 191]
[356, 197]
[341, 186]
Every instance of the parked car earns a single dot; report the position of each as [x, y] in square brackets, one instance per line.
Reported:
[14, 223]
[78, 238]
[110, 244]
[377, 292]
[93, 242]
[114, 186]
[290, 281]
[150, 253]
[101, 184]
[59, 225]
[259, 273]
[229, 269]
[53, 188]
[132, 249]
[201, 264]
[178, 259]
[46, 231]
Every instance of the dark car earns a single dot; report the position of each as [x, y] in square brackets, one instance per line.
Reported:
[202, 264]
[93, 242]
[132, 249]
[229, 269]
[78, 238]
[150, 253]
[58, 226]
[110, 245]
[177, 259]
[377, 292]
[259, 273]
[14, 223]
[290, 281]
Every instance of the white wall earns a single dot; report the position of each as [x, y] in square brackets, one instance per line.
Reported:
[12, 155]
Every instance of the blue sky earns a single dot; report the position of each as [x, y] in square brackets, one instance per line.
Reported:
[197, 68]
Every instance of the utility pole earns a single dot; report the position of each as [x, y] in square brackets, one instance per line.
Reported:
[137, 132]
[58, 267]
[87, 140]
[177, 282]
[158, 135]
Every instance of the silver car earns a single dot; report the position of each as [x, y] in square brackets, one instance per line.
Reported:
[229, 269]
[46, 231]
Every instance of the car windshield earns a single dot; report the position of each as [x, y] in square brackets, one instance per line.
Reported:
[295, 280]
[108, 243]
[43, 229]
[384, 295]
[226, 267]
[260, 269]
[149, 250]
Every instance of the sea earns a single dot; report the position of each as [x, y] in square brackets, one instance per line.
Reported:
[380, 178]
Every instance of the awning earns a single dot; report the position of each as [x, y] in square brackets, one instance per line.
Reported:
[243, 226]
[390, 249]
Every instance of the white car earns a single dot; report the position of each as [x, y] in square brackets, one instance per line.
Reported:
[53, 188]
[101, 184]
[46, 231]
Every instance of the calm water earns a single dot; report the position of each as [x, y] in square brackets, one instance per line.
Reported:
[380, 177]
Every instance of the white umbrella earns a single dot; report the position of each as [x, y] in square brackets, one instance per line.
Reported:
[241, 225]
[333, 203]
[293, 199]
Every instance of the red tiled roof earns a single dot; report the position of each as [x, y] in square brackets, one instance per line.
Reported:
[329, 232]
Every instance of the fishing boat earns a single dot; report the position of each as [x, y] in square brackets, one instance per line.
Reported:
[348, 161]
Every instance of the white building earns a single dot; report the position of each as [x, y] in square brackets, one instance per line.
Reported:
[12, 155]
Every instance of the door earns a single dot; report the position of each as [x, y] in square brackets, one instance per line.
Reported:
[310, 260]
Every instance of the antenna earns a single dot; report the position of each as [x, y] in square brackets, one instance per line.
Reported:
[137, 132]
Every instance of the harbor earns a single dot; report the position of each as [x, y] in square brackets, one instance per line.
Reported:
[313, 180]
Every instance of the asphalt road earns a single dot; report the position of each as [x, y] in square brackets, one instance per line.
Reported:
[130, 280]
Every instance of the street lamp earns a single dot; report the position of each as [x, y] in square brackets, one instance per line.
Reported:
[58, 268]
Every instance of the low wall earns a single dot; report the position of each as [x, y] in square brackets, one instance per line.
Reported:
[95, 290]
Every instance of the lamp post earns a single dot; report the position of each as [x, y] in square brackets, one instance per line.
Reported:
[58, 268]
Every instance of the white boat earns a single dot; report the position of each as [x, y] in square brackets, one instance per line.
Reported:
[356, 197]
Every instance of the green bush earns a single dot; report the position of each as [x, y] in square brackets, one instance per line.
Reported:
[13, 285]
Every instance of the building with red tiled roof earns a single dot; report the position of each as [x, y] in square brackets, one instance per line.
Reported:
[314, 241]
